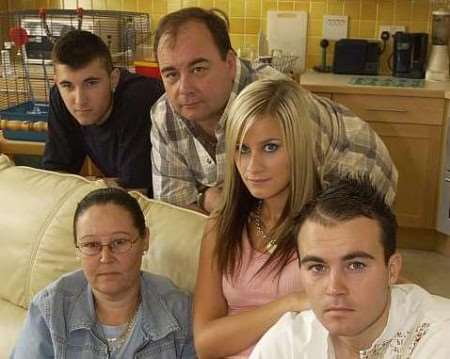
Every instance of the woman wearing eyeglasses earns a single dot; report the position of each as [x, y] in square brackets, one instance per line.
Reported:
[109, 309]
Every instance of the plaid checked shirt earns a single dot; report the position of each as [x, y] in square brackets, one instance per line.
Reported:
[343, 144]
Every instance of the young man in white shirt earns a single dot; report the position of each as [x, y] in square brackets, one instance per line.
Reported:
[349, 264]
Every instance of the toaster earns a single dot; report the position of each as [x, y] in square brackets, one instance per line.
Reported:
[355, 56]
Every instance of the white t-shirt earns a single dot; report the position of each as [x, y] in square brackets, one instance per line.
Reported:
[418, 328]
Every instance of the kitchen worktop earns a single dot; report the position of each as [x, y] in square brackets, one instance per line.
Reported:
[329, 82]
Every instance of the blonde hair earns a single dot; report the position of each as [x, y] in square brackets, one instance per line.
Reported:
[287, 103]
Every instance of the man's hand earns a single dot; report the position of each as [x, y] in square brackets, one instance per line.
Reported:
[212, 196]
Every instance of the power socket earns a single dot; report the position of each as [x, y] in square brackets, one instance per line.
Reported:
[392, 29]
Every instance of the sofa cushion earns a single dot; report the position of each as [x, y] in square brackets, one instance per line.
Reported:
[175, 238]
[36, 209]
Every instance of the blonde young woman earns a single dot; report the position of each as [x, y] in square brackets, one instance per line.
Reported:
[283, 144]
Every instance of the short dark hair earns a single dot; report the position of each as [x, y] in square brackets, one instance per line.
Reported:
[78, 48]
[348, 198]
[112, 195]
[214, 19]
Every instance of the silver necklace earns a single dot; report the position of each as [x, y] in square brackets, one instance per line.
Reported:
[115, 343]
[270, 243]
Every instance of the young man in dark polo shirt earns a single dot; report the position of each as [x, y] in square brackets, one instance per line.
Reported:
[99, 111]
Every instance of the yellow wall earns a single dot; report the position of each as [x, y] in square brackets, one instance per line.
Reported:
[249, 17]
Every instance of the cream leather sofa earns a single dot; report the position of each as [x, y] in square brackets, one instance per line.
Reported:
[36, 243]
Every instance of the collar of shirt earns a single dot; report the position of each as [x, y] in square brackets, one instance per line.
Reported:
[401, 327]
[242, 78]
[399, 310]
[158, 320]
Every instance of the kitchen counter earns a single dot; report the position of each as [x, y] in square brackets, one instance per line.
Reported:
[331, 83]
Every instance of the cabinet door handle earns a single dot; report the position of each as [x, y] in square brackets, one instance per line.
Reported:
[387, 110]
[447, 179]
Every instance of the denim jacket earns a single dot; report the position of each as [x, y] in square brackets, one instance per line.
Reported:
[61, 322]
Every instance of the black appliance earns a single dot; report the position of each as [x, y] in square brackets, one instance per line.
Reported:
[355, 56]
[410, 55]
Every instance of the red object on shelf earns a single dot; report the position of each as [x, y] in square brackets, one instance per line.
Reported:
[18, 35]
[147, 68]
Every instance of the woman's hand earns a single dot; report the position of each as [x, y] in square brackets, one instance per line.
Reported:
[296, 302]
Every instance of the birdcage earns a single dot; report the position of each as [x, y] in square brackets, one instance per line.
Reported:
[26, 72]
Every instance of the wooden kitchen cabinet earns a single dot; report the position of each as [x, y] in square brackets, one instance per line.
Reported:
[411, 128]
[394, 109]
[412, 123]
[414, 150]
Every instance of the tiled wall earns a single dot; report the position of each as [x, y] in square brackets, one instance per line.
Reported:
[248, 17]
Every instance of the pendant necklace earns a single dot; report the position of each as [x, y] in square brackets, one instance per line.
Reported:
[115, 343]
[270, 243]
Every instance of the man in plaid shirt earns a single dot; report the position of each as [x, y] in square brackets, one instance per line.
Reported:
[202, 76]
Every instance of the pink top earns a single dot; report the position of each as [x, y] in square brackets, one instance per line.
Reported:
[247, 291]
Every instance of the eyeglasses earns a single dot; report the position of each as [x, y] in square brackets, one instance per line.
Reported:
[116, 246]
